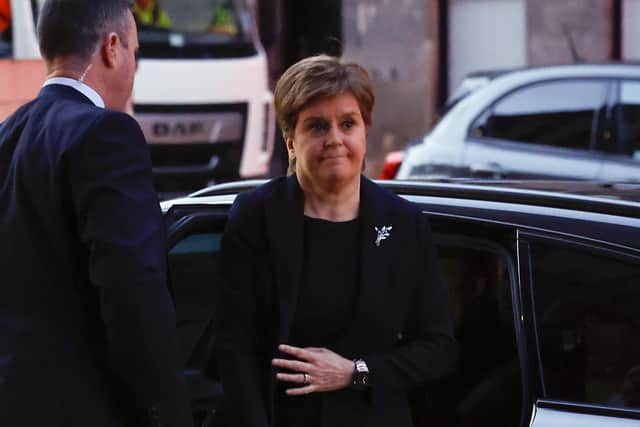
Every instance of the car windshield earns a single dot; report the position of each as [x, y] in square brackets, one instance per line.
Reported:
[194, 28]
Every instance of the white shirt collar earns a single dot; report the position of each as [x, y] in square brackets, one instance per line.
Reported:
[79, 86]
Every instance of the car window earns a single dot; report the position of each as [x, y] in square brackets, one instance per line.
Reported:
[558, 114]
[193, 266]
[588, 323]
[485, 389]
[630, 119]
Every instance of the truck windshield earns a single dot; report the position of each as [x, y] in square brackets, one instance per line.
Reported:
[194, 28]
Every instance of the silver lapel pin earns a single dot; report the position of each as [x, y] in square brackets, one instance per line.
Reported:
[383, 233]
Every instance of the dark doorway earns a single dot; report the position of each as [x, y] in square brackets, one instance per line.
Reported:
[292, 30]
[311, 27]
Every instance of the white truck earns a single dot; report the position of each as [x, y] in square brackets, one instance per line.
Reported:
[201, 94]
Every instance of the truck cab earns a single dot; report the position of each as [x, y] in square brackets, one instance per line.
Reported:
[201, 94]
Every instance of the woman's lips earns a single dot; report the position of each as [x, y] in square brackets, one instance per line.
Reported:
[333, 157]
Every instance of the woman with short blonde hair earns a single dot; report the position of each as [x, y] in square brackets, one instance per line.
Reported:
[333, 303]
[299, 86]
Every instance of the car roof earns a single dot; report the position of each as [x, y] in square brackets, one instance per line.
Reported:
[623, 191]
[603, 197]
[598, 212]
[480, 78]
[613, 67]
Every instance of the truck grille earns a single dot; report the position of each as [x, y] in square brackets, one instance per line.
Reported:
[193, 145]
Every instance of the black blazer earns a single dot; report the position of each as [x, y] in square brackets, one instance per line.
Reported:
[401, 326]
[87, 325]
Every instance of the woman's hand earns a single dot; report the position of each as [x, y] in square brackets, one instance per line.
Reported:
[315, 370]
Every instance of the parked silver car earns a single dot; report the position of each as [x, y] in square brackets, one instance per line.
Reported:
[561, 122]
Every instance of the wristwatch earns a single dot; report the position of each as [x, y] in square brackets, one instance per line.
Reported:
[360, 374]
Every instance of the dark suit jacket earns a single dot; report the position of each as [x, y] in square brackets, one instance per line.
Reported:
[401, 325]
[87, 325]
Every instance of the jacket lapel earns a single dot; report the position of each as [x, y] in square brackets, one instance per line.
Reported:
[374, 262]
[285, 225]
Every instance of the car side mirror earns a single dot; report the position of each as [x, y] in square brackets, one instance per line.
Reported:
[479, 131]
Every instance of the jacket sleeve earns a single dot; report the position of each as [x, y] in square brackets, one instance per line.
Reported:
[429, 349]
[236, 346]
[120, 223]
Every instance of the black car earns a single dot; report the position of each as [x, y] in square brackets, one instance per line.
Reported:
[544, 280]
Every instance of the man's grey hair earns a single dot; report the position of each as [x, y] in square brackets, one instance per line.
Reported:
[76, 27]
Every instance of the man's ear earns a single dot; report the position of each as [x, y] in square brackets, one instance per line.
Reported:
[109, 50]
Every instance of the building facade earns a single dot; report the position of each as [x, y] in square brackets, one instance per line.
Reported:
[418, 51]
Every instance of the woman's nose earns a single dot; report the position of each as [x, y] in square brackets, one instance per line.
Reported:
[334, 136]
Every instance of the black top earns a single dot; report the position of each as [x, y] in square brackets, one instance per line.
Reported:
[327, 297]
[399, 289]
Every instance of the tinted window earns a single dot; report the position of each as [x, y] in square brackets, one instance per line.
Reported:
[193, 265]
[587, 306]
[630, 119]
[193, 271]
[485, 389]
[195, 28]
[560, 114]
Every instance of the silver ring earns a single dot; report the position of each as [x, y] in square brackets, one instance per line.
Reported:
[305, 380]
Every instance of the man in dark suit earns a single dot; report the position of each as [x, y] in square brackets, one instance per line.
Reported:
[87, 325]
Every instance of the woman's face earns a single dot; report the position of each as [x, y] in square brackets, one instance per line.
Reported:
[329, 141]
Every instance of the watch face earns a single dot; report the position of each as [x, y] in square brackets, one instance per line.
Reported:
[361, 366]
[361, 374]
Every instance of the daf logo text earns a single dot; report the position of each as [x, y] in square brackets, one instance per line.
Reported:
[178, 129]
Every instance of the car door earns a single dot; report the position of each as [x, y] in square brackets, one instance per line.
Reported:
[622, 159]
[489, 385]
[547, 129]
[194, 234]
[582, 297]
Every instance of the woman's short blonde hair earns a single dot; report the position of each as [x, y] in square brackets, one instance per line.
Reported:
[317, 77]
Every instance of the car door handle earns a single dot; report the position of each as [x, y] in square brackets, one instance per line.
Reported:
[487, 170]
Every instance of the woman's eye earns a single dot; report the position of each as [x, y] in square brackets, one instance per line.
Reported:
[316, 127]
[348, 124]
